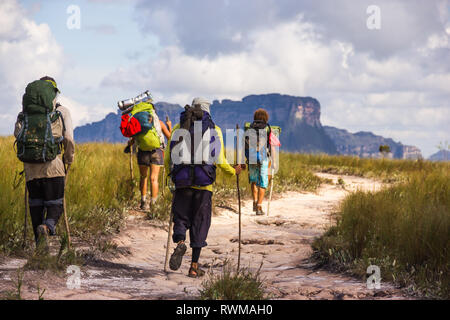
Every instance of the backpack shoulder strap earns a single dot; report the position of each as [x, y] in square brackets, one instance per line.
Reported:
[61, 116]
[269, 131]
[211, 124]
[157, 126]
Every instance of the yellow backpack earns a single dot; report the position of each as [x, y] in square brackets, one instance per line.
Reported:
[153, 138]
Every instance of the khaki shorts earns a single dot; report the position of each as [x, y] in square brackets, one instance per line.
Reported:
[147, 158]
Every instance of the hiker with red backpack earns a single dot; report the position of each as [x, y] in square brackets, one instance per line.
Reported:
[142, 125]
[42, 130]
[193, 172]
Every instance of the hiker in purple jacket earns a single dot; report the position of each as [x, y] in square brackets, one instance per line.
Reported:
[192, 202]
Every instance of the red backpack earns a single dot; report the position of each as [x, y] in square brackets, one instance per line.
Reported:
[129, 126]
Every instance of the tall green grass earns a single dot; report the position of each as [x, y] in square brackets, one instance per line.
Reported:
[293, 175]
[99, 190]
[234, 285]
[404, 229]
[390, 170]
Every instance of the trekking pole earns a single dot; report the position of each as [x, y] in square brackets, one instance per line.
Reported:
[163, 181]
[164, 168]
[169, 235]
[25, 223]
[271, 188]
[131, 162]
[66, 221]
[239, 198]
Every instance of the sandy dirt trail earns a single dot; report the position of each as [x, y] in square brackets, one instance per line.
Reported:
[281, 241]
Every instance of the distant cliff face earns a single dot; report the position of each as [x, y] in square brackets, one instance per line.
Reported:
[299, 118]
[106, 130]
[366, 145]
[441, 155]
[411, 152]
[284, 109]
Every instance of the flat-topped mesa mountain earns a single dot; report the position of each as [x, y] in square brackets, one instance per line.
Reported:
[299, 118]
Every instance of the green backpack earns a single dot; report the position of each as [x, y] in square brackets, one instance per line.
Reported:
[35, 141]
[258, 152]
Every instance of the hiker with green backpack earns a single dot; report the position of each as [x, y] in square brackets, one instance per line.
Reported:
[42, 130]
[260, 154]
[149, 137]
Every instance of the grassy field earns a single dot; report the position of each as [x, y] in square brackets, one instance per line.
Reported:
[404, 229]
[293, 175]
[389, 170]
[100, 191]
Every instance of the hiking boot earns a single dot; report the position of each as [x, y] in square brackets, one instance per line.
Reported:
[145, 205]
[153, 205]
[195, 271]
[177, 256]
[42, 241]
[259, 211]
[255, 206]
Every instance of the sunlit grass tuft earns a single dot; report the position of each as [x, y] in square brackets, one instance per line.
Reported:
[234, 285]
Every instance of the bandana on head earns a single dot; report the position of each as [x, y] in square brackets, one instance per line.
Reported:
[203, 103]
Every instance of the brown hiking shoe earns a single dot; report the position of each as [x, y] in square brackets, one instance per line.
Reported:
[195, 271]
[177, 256]
[145, 205]
[42, 241]
[255, 206]
[259, 211]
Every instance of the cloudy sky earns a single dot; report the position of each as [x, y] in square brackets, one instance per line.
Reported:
[393, 80]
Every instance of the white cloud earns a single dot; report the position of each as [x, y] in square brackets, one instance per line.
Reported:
[208, 27]
[386, 82]
[284, 59]
[28, 51]
[357, 91]
[82, 113]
